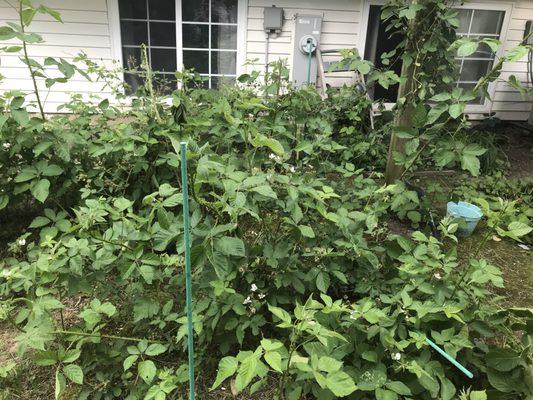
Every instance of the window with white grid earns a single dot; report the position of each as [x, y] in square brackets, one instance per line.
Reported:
[209, 38]
[478, 24]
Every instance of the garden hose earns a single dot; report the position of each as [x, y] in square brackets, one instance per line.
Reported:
[188, 286]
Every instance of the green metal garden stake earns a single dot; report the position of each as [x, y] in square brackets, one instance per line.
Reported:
[188, 288]
[450, 359]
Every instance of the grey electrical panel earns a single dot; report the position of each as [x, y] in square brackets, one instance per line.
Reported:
[307, 29]
[528, 34]
[273, 19]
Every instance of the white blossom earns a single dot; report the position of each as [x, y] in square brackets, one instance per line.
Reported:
[353, 315]
[253, 288]
[6, 145]
[292, 168]
[396, 356]
[22, 242]
[437, 276]
[262, 295]
[247, 300]
[272, 156]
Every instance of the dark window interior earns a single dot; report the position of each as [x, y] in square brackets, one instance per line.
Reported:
[378, 41]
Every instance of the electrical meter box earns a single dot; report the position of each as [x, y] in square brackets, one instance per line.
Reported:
[307, 29]
[528, 34]
[273, 19]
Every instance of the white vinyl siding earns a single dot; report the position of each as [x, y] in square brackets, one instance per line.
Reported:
[85, 28]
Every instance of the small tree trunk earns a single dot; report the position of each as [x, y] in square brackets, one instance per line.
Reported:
[404, 112]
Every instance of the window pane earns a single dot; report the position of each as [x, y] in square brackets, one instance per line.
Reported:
[224, 11]
[223, 37]
[195, 10]
[162, 34]
[223, 62]
[163, 60]
[487, 21]
[199, 60]
[474, 69]
[195, 36]
[131, 57]
[464, 20]
[132, 9]
[162, 9]
[133, 32]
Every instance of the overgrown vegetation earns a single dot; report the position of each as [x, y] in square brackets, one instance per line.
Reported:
[298, 281]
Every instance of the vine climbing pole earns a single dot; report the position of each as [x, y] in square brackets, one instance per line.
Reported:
[405, 107]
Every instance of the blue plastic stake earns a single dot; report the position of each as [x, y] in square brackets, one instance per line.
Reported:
[450, 359]
[188, 286]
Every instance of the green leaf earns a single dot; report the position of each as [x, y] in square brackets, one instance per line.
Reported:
[384, 394]
[129, 361]
[273, 358]
[441, 97]
[470, 163]
[247, 371]
[26, 174]
[230, 246]
[155, 349]
[74, 373]
[147, 370]
[307, 231]
[456, 110]
[21, 116]
[40, 190]
[329, 364]
[322, 281]
[398, 387]
[60, 384]
[517, 229]
[467, 48]
[52, 170]
[265, 190]
[39, 222]
[121, 203]
[503, 359]
[478, 395]
[226, 368]
[280, 313]
[6, 33]
[340, 383]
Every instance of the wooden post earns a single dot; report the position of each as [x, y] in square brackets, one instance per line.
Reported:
[404, 112]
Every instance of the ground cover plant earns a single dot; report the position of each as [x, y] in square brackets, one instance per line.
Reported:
[301, 287]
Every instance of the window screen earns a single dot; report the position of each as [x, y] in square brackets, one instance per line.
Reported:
[152, 23]
[477, 24]
[209, 39]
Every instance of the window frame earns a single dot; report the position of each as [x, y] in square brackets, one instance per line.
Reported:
[504, 6]
[242, 18]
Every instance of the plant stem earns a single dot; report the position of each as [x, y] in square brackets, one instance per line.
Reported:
[28, 63]
[65, 332]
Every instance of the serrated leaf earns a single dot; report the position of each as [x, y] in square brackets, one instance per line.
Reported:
[503, 359]
[226, 368]
[306, 231]
[74, 373]
[147, 370]
[273, 358]
[265, 190]
[155, 349]
[340, 383]
[40, 190]
[129, 361]
[230, 246]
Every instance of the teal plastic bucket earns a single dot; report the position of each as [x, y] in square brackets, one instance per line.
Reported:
[467, 212]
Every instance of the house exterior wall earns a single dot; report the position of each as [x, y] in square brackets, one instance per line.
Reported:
[85, 28]
[90, 26]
